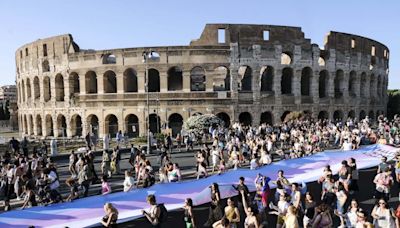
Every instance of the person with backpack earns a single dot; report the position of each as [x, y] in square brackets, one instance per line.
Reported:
[157, 213]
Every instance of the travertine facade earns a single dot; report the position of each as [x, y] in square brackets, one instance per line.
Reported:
[247, 73]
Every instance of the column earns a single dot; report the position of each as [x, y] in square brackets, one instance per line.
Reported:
[56, 129]
[186, 81]
[82, 84]
[100, 83]
[296, 85]
[314, 88]
[141, 81]
[163, 82]
[209, 81]
[119, 76]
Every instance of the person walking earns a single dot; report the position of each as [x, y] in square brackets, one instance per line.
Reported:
[188, 214]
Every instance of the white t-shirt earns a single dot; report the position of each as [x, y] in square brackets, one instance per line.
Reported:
[347, 146]
[53, 180]
[128, 182]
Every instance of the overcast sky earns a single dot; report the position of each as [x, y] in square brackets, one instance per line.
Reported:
[100, 24]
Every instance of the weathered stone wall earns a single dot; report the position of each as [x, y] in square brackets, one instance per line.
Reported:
[269, 71]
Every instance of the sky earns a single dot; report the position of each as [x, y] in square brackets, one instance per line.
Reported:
[101, 24]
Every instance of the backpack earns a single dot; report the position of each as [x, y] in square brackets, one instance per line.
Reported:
[163, 213]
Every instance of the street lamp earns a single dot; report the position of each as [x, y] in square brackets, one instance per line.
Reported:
[146, 56]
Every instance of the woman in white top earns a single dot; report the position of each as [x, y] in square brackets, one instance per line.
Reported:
[253, 162]
[215, 158]
[351, 215]
[383, 216]
[341, 198]
[128, 182]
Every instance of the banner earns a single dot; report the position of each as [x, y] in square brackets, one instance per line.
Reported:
[88, 211]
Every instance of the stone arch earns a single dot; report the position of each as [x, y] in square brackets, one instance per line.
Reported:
[197, 79]
[339, 84]
[224, 117]
[372, 86]
[154, 80]
[283, 116]
[305, 83]
[362, 115]
[39, 125]
[62, 125]
[93, 124]
[245, 118]
[267, 79]
[46, 88]
[175, 122]
[154, 123]
[221, 79]
[245, 75]
[266, 117]
[352, 114]
[323, 115]
[371, 115]
[352, 84]
[132, 125]
[49, 125]
[91, 82]
[130, 81]
[286, 58]
[76, 125]
[109, 59]
[111, 124]
[110, 82]
[74, 86]
[363, 84]
[28, 88]
[36, 88]
[59, 87]
[175, 79]
[287, 80]
[323, 83]
[197, 114]
[338, 115]
[23, 91]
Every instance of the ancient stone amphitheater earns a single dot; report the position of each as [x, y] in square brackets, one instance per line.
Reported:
[247, 73]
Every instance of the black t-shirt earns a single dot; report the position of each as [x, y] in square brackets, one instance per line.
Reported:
[245, 189]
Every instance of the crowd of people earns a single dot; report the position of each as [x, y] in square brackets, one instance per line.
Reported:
[29, 175]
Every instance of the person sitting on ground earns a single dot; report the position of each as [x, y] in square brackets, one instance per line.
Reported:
[71, 183]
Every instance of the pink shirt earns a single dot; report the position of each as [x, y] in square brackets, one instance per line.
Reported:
[105, 188]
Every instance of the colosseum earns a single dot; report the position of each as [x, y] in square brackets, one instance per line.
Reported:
[248, 73]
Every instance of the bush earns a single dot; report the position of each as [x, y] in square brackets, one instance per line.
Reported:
[201, 123]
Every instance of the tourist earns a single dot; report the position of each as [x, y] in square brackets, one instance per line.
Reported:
[263, 191]
[73, 194]
[201, 166]
[282, 183]
[253, 162]
[350, 219]
[115, 161]
[281, 209]
[215, 211]
[383, 165]
[341, 199]
[322, 217]
[175, 174]
[111, 217]
[232, 213]
[129, 182]
[291, 218]
[383, 181]
[132, 156]
[354, 176]
[84, 180]
[362, 220]
[72, 164]
[215, 157]
[105, 186]
[383, 216]
[251, 219]
[345, 175]
[309, 209]
[242, 189]
[105, 164]
[178, 140]
[154, 214]
[189, 217]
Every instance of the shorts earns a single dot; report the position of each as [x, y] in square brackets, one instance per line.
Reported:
[281, 220]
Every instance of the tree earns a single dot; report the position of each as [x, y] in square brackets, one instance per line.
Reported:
[2, 114]
[393, 106]
[201, 123]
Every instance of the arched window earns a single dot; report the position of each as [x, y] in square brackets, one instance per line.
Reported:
[111, 125]
[23, 91]
[49, 126]
[286, 81]
[93, 124]
[76, 125]
[339, 84]
[323, 115]
[28, 88]
[175, 79]
[245, 119]
[266, 117]
[74, 83]
[221, 79]
[323, 83]
[245, 75]
[286, 58]
[109, 59]
[372, 86]
[91, 82]
[197, 79]
[352, 84]
[267, 79]
[362, 114]
[175, 122]
[45, 66]
[154, 123]
[62, 126]
[38, 125]
[306, 75]
[59, 87]
[338, 116]
[132, 125]
[225, 117]
[154, 80]
[352, 114]
[363, 86]
[110, 82]
[130, 81]
[46, 88]
[378, 87]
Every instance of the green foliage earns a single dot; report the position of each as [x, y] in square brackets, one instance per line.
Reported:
[393, 106]
[160, 137]
[201, 123]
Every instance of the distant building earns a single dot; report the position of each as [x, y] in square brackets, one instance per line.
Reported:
[8, 93]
